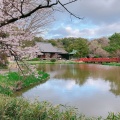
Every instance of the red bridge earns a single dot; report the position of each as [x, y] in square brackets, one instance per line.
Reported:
[99, 60]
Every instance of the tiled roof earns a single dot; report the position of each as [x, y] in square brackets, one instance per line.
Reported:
[46, 47]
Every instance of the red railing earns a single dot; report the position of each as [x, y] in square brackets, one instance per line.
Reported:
[99, 60]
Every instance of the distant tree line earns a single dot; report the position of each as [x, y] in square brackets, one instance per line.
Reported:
[101, 47]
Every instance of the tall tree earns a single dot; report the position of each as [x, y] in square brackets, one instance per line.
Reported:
[96, 48]
[114, 45]
[14, 28]
[115, 41]
[81, 45]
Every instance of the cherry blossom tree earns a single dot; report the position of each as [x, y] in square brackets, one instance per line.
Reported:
[118, 53]
[15, 10]
[13, 34]
[21, 20]
[95, 49]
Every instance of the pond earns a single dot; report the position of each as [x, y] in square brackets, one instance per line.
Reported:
[93, 89]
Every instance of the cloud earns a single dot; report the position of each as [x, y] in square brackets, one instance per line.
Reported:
[64, 32]
[102, 11]
[94, 32]
[101, 18]
[108, 29]
[96, 84]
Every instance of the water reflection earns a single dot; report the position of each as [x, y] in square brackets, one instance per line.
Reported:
[80, 73]
[90, 88]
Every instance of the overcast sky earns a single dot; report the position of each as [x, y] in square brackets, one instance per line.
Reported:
[101, 18]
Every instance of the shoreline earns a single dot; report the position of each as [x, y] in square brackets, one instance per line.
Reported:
[13, 81]
[12, 103]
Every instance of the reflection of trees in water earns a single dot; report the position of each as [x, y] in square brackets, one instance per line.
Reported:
[107, 73]
[115, 88]
[114, 79]
[80, 73]
[67, 72]
[74, 72]
[112, 75]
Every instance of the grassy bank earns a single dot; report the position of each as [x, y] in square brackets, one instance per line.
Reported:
[13, 81]
[56, 62]
[112, 64]
[20, 109]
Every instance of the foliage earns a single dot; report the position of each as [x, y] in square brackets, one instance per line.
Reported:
[5, 90]
[34, 59]
[53, 42]
[3, 66]
[79, 44]
[28, 43]
[53, 60]
[38, 39]
[115, 40]
[112, 64]
[102, 47]
[32, 42]
[20, 109]
[114, 44]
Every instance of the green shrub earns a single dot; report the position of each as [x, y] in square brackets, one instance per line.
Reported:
[34, 59]
[14, 76]
[2, 66]
[53, 60]
[20, 109]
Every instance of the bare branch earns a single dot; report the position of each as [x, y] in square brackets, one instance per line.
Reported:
[70, 2]
[63, 5]
[22, 6]
[16, 7]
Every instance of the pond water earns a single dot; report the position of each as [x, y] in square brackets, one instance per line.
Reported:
[93, 89]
